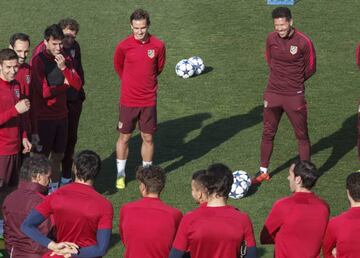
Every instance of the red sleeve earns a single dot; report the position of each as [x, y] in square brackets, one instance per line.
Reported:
[7, 115]
[72, 77]
[45, 208]
[309, 58]
[249, 232]
[39, 81]
[272, 225]
[119, 58]
[181, 239]
[267, 51]
[358, 56]
[329, 242]
[161, 60]
[105, 221]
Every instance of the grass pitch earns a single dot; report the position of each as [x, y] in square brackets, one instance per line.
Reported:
[215, 117]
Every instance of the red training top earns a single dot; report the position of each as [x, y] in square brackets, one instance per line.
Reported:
[216, 232]
[51, 99]
[78, 212]
[138, 64]
[148, 227]
[23, 76]
[291, 60]
[342, 233]
[358, 56]
[16, 207]
[296, 224]
[10, 121]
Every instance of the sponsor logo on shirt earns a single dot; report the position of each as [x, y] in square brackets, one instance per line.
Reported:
[293, 50]
[28, 79]
[17, 93]
[151, 53]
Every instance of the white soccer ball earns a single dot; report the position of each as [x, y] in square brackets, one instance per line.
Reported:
[197, 63]
[184, 69]
[241, 184]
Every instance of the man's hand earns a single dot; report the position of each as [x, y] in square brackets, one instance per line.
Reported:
[27, 145]
[60, 60]
[22, 106]
[65, 249]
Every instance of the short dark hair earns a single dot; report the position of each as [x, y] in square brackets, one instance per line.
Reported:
[216, 179]
[87, 164]
[281, 12]
[71, 23]
[7, 54]
[53, 31]
[38, 164]
[153, 177]
[19, 36]
[140, 14]
[353, 185]
[308, 173]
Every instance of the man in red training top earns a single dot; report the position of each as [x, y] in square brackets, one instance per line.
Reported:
[342, 234]
[297, 224]
[11, 107]
[148, 226]
[138, 60]
[53, 73]
[291, 58]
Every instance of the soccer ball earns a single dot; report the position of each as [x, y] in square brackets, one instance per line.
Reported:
[184, 69]
[198, 64]
[241, 184]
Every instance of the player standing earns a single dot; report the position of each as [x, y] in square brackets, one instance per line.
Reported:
[11, 106]
[297, 224]
[81, 215]
[53, 73]
[342, 233]
[138, 60]
[215, 229]
[35, 177]
[291, 58]
[358, 124]
[148, 226]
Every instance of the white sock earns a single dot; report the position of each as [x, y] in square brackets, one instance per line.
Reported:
[120, 164]
[264, 170]
[147, 164]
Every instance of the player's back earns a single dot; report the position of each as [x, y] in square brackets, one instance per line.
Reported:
[346, 228]
[148, 227]
[78, 212]
[303, 227]
[216, 232]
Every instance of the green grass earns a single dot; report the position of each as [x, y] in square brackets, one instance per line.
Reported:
[206, 119]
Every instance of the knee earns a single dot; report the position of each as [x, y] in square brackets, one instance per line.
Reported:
[124, 139]
[147, 138]
[302, 136]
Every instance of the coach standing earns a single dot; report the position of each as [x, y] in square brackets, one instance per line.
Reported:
[291, 58]
[138, 60]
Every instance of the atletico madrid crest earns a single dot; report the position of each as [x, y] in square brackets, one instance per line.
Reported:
[72, 53]
[17, 93]
[151, 53]
[28, 79]
[293, 50]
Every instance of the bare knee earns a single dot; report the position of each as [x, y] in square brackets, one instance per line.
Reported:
[147, 138]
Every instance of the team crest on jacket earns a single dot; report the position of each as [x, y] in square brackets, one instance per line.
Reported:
[72, 53]
[17, 93]
[293, 50]
[28, 79]
[151, 53]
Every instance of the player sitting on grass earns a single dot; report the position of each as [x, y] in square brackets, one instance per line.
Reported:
[342, 234]
[142, 221]
[216, 229]
[81, 215]
[297, 224]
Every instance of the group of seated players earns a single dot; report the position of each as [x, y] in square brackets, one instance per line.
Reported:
[76, 221]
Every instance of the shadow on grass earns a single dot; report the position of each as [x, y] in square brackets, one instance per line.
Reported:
[170, 143]
[341, 142]
[114, 240]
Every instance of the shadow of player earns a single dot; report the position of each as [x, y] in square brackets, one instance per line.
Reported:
[341, 142]
[168, 138]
